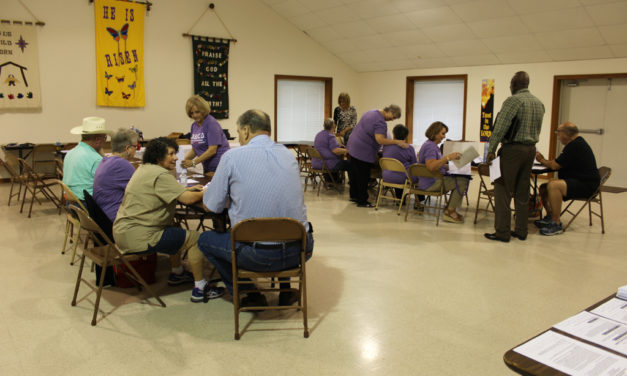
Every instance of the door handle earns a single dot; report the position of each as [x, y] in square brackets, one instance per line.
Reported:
[592, 131]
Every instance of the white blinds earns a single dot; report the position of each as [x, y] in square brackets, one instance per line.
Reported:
[438, 101]
[300, 109]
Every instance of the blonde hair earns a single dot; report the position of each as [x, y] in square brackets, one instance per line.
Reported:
[200, 103]
[345, 97]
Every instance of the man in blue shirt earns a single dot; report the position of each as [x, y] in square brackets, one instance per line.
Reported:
[260, 179]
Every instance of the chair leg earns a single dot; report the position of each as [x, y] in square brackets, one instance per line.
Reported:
[601, 208]
[303, 302]
[236, 306]
[376, 207]
[67, 233]
[139, 279]
[78, 280]
[99, 293]
[439, 209]
[76, 239]
[478, 201]
[321, 182]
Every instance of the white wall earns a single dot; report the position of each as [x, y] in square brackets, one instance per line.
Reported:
[267, 45]
[380, 89]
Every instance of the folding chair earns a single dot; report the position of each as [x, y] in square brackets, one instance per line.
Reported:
[319, 173]
[44, 160]
[104, 252]
[391, 164]
[34, 183]
[421, 171]
[596, 198]
[269, 230]
[485, 193]
[11, 164]
[72, 225]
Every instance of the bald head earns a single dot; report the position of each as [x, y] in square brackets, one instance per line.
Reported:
[519, 81]
[569, 129]
[257, 120]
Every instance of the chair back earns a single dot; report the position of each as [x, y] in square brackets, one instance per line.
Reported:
[70, 197]
[421, 171]
[269, 230]
[59, 167]
[98, 215]
[11, 164]
[604, 173]
[90, 226]
[313, 153]
[483, 169]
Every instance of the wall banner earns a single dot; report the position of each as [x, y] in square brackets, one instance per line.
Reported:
[487, 109]
[120, 53]
[19, 67]
[211, 73]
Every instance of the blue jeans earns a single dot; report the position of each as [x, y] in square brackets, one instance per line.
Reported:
[217, 249]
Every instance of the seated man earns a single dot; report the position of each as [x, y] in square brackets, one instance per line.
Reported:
[260, 179]
[578, 177]
[328, 147]
[80, 163]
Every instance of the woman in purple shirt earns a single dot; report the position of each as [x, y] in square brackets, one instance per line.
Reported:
[406, 156]
[114, 172]
[330, 150]
[207, 138]
[430, 156]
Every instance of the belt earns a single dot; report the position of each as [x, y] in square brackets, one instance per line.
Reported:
[273, 246]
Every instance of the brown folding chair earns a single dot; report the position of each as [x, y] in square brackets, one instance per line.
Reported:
[421, 171]
[36, 184]
[595, 198]
[269, 230]
[319, 174]
[72, 225]
[485, 193]
[104, 252]
[391, 164]
[11, 165]
[44, 160]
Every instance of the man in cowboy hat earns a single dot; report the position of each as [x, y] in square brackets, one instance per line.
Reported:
[79, 165]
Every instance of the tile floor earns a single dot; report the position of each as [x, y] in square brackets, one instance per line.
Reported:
[386, 297]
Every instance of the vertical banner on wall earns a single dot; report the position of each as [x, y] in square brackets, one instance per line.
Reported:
[211, 73]
[120, 53]
[19, 67]
[487, 109]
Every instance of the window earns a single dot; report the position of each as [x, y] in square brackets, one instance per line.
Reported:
[436, 98]
[301, 105]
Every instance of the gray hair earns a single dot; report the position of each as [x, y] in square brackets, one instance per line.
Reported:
[257, 120]
[394, 109]
[570, 129]
[328, 124]
[122, 138]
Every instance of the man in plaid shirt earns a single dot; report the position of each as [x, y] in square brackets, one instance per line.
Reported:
[517, 128]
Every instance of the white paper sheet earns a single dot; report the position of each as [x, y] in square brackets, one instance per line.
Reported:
[571, 356]
[463, 170]
[596, 329]
[495, 169]
[468, 155]
[614, 309]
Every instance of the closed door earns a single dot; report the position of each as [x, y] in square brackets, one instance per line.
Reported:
[599, 109]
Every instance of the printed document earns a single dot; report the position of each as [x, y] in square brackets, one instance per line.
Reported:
[596, 329]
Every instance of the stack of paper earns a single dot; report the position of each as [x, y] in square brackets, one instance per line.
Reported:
[622, 293]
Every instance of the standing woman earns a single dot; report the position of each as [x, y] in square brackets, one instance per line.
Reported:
[344, 115]
[208, 140]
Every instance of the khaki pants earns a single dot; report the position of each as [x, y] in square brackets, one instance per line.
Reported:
[453, 184]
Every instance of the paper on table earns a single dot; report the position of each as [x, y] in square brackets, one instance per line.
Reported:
[571, 356]
[467, 156]
[596, 329]
[463, 170]
[192, 181]
[614, 309]
[495, 169]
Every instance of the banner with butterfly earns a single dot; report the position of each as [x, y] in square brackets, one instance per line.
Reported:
[211, 73]
[120, 53]
[19, 67]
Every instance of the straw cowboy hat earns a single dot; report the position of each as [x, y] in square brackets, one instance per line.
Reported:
[91, 125]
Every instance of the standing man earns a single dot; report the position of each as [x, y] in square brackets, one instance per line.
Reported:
[364, 144]
[578, 177]
[259, 179]
[80, 163]
[517, 127]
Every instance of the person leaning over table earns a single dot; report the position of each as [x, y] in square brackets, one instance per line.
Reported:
[260, 179]
[326, 144]
[80, 163]
[431, 156]
[363, 145]
[344, 115]
[114, 172]
[145, 219]
[207, 137]
[578, 177]
[406, 156]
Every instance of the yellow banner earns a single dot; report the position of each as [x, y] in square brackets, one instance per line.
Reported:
[120, 53]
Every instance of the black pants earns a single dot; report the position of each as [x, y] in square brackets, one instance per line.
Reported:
[359, 175]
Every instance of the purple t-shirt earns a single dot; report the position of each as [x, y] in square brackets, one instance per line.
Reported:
[361, 143]
[112, 176]
[429, 150]
[325, 142]
[406, 156]
[210, 133]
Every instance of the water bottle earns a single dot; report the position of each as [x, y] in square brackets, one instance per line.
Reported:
[183, 177]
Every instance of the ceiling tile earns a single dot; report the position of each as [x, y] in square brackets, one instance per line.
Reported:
[339, 46]
[270, 2]
[323, 34]
[388, 24]
[609, 14]
[400, 38]
[488, 59]
[354, 29]
[499, 26]
[406, 6]
[464, 47]
[619, 50]
[367, 67]
[454, 2]
[435, 62]
[615, 34]
[290, 8]
[537, 6]
[373, 41]
[318, 4]
[391, 65]
[356, 57]
[372, 8]
[383, 54]
[434, 17]
[337, 15]
[570, 38]
[596, 2]
[423, 51]
[523, 57]
[449, 33]
[308, 21]
[512, 43]
[558, 20]
[581, 53]
[481, 10]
